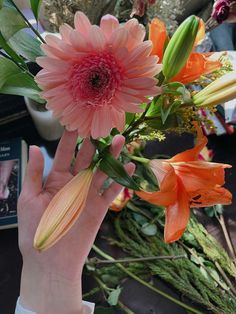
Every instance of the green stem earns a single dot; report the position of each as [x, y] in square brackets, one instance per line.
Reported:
[107, 290]
[132, 275]
[137, 122]
[91, 292]
[139, 159]
[28, 23]
[125, 308]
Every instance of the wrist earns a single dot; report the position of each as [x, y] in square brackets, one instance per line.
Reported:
[43, 289]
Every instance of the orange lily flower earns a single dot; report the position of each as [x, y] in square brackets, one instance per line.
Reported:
[186, 182]
[158, 36]
[197, 64]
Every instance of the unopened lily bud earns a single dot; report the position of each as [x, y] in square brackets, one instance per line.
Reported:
[63, 210]
[218, 92]
[180, 46]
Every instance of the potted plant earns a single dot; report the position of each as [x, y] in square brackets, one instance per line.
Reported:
[18, 67]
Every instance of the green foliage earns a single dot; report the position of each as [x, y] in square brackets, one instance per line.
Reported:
[11, 22]
[180, 47]
[115, 170]
[183, 274]
[26, 45]
[114, 296]
[11, 53]
[195, 277]
[16, 82]
[210, 247]
[35, 6]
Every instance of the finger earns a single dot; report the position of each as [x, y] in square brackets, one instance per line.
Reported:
[33, 180]
[116, 147]
[84, 156]
[115, 188]
[65, 152]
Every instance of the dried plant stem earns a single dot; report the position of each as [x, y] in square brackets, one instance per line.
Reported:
[132, 275]
[227, 280]
[221, 220]
[96, 260]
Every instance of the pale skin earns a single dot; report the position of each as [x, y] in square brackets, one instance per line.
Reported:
[52, 279]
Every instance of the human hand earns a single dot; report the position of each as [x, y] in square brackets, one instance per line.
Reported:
[52, 278]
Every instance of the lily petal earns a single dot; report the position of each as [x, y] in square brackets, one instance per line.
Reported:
[206, 197]
[168, 185]
[197, 64]
[200, 174]
[192, 154]
[177, 215]
[158, 36]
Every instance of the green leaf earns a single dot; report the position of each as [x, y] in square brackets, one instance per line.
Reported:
[35, 6]
[166, 113]
[149, 229]
[6, 3]
[129, 117]
[172, 121]
[22, 84]
[11, 22]
[154, 109]
[114, 296]
[15, 82]
[4, 45]
[140, 219]
[26, 45]
[7, 69]
[116, 171]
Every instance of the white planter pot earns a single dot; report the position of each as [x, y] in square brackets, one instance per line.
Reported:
[46, 124]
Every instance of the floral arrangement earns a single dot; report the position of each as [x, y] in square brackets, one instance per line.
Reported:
[107, 79]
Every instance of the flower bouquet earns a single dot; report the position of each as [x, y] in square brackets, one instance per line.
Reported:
[103, 80]
[108, 79]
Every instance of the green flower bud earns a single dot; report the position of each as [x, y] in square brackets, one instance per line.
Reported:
[180, 46]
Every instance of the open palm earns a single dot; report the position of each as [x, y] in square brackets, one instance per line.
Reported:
[66, 258]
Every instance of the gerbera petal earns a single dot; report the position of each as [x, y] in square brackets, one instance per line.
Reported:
[65, 31]
[82, 23]
[118, 119]
[109, 24]
[118, 38]
[53, 65]
[97, 38]
[78, 41]
[136, 33]
[106, 69]
[177, 215]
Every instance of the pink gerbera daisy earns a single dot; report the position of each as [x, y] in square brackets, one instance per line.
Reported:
[92, 75]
